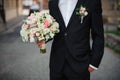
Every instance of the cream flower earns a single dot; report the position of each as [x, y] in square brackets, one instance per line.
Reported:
[32, 40]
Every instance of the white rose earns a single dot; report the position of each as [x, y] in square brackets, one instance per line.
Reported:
[40, 38]
[24, 35]
[83, 9]
[41, 26]
[23, 32]
[52, 35]
[32, 39]
[86, 13]
[34, 30]
[53, 29]
[46, 30]
[56, 24]
[47, 37]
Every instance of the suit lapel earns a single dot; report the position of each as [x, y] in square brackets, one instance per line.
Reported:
[59, 15]
[79, 3]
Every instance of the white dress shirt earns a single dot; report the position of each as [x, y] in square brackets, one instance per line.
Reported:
[67, 7]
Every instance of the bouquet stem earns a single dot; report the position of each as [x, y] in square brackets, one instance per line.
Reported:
[43, 51]
[82, 17]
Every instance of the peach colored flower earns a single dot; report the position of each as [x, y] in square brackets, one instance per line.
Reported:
[25, 26]
[46, 23]
[37, 34]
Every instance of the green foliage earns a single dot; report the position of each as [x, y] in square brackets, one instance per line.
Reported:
[114, 48]
[113, 32]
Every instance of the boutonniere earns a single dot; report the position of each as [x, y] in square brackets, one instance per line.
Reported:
[82, 12]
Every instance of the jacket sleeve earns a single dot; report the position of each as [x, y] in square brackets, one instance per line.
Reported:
[50, 7]
[97, 33]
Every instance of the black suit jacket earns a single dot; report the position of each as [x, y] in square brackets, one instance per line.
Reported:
[73, 41]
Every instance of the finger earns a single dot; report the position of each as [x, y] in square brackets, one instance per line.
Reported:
[39, 46]
[90, 69]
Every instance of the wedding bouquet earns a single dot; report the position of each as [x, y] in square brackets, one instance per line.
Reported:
[39, 26]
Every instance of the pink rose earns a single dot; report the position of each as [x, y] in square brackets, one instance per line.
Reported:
[46, 23]
[32, 35]
[31, 17]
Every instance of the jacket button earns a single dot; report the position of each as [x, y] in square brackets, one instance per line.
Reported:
[65, 34]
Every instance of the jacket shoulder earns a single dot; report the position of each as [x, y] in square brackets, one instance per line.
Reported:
[96, 2]
[97, 6]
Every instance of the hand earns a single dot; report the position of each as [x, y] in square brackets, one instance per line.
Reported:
[90, 69]
[40, 43]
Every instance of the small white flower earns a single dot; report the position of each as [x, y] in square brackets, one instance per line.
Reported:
[37, 34]
[46, 31]
[47, 37]
[53, 28]
[86, 13]
[83, 9]
[34, 30]
[32, 39]
[40, 38]
[52, 35]
[24, 35]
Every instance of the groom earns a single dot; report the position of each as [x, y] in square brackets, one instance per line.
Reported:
[71, 56]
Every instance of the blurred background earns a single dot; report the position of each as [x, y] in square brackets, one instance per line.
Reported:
[23, 61]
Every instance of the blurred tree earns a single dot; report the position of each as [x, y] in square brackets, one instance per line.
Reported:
[2, 11]
[115, 4]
